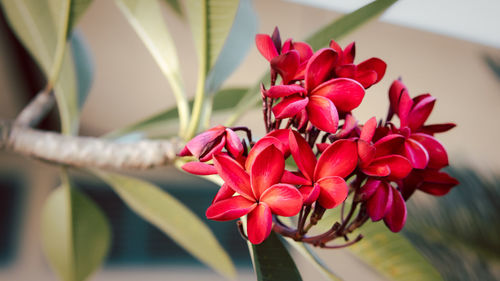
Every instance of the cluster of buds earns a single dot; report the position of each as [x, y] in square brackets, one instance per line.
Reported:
[307, 163]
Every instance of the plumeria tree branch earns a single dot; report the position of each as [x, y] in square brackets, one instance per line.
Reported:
[79, 151]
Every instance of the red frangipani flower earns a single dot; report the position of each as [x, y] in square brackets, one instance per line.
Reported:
[321, 98]
[260, 193]
[323, 179]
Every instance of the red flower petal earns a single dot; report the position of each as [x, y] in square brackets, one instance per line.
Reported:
[366, 153]
[262, 144]
[266, 170]
[233, 143]
[286, 65]
[438, 157]
[280, 91]
[323, 114]
[230, 209]
[305, 51]
[294, 178]
[208, 152]
[369, 188]
[266, 47]
[319, 67]
[333, 191]
[336, 47]
[436, 128]
[399, 166]
[339, 159]
[290, 106]
[380, 203]
[373, 64]
[390, 144]
[310, 193]
[282, 136]
[346, 70]
[224, 192]
[199, 168]
[366, 78]
[198, 144]
[345, 93]
[416, 154]
[283, 199]
[420, 112]
[404, 106]
[397, 88]
[377, 170]
[437, 183]
[302, 154]
[234, 175]
[350, 124]
[349, 53]
[368, 130]
[260, 223]
[396, 217]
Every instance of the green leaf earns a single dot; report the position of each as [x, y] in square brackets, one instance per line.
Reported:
[224, 100]
[237, 45]
[77, 9]
[147, 20]
[390, 254]
[458, 232]
[210, 22]
[173, 218]
[348, 23]
[84, 66]
[335, 30]
[272, 261]
[42, 27]
[175, 6]
[75, 233]
[306, 251]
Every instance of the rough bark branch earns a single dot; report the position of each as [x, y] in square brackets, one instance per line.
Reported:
[37, 109]
[87, 151]
[78, 151]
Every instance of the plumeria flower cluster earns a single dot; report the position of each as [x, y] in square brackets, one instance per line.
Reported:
[307, 163]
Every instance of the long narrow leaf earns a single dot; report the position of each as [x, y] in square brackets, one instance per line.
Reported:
[75, 233]
[273, 262]
[173, 218]
[147, 20]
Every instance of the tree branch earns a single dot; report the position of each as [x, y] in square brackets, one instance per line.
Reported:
[87, 151]
[37, 109]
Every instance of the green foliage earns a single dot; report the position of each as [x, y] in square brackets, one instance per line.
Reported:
[458, 232]
[175, 6]
[173, 218]
[75, 233]
[42, 26]
[272, 261]
[84, 66]
[223, 100]
[147, 20]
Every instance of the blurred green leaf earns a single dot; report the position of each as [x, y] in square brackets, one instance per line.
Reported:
[390, 254]
[236, 47]
[335, 30]
[173, 218]
[306, 251]
[77, 9]
[147, 20]
[348, 23]
[272, 261]
[224, 100]
[75, 233]
[459, 232]
[42, 26]
[210, 22]
[175, 6]
[84, 66]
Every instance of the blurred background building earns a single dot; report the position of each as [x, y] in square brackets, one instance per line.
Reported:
[460, 69]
